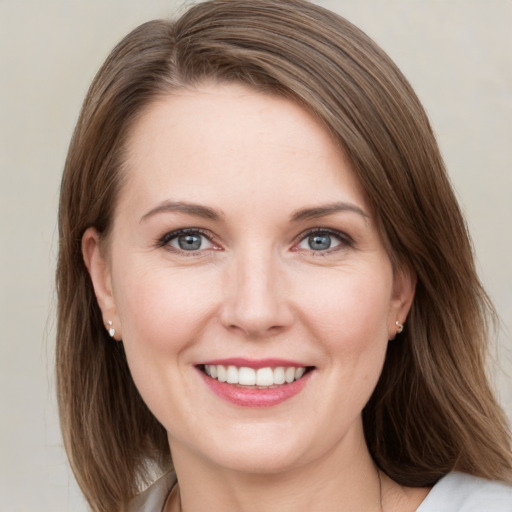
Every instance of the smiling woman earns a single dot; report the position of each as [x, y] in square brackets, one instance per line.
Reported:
[257, 296]
[248, 210]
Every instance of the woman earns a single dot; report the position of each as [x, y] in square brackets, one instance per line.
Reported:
[264, 273]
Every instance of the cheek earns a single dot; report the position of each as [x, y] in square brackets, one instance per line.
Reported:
[349, 318]
[162, 314]
[351, 310]
[163, 309]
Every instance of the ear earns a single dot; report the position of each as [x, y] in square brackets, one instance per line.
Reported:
[404, 287]
[99, 269]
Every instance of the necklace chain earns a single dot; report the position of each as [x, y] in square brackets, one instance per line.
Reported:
[380, 490]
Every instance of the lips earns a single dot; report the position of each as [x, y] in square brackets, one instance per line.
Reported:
[250, 383]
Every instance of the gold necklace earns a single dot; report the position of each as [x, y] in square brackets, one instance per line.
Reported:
[380, 489]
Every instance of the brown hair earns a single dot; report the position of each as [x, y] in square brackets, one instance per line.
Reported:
[432, 411]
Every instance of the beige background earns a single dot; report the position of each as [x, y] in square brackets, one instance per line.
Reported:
[456, 53]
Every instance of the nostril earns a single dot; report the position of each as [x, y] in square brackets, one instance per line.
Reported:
[256, 331]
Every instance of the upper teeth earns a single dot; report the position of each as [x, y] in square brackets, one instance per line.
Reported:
[250, 377]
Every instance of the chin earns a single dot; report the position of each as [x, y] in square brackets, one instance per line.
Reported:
[260, 450]
[258, 461]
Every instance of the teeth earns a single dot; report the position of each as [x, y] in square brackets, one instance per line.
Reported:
[265, 377]
[262, 377]
[246, 376]
[221, 373]
[289, 374]
[232, 375]
[279, 377]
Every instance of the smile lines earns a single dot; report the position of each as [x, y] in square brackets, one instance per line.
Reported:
[245, 376]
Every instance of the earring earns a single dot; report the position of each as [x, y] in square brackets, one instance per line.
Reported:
[399, 327]
[110, 329]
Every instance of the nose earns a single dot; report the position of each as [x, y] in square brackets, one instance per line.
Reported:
[255, 295]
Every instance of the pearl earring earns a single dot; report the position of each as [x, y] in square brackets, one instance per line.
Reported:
[399, 327]
[110, 329]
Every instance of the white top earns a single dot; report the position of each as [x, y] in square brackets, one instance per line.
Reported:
[456, 492]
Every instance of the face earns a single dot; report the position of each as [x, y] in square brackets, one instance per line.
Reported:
[247, 280]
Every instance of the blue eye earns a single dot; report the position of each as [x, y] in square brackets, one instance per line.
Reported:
[320, 241]
[189, 241]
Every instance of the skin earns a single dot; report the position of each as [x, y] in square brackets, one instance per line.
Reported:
[254, 289]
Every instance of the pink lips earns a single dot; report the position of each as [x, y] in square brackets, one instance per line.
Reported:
[254, 397]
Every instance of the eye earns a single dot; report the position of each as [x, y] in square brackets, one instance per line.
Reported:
[188, 240]
[323, 240]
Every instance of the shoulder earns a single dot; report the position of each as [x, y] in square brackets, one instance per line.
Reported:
[458, 492]
[154, 497]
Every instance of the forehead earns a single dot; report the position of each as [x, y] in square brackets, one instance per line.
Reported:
[220, 140]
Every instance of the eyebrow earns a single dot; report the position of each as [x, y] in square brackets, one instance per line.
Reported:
[180, 207]
[211, 214]
[325, 210]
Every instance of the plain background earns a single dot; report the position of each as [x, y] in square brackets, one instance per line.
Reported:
[456, 53]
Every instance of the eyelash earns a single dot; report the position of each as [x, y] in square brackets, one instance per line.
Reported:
[345, 240]
[165, 240]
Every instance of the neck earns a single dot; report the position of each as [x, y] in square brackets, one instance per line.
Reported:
[346, 475]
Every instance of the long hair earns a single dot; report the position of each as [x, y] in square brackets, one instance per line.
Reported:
[432, 411]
